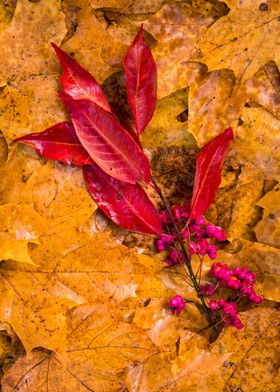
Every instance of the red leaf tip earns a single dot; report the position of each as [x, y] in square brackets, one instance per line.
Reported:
[229, 132]
[55, 47]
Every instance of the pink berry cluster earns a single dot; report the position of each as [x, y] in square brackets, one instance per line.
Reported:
[241, 281]
[238, 279]
[168, 241]
[229, 312]
[197, 232]
[199, 236]
[202, 234]
[177, 304]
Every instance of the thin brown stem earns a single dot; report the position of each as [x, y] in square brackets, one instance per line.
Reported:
[183, 250]
[214, 324]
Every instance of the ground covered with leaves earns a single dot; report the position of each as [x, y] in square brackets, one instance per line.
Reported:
[83, 303]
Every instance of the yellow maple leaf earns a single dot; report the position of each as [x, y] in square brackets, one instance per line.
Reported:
[244, 40]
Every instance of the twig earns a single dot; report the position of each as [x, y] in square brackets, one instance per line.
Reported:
[183, 250]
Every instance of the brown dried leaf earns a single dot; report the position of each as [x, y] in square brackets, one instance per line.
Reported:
[233, 361]
[169, 125]
[10, 346]
[268, 229]
[7, 9]
[167, 332]
[20, 225]
[174, 167]
[254, 355]
[176, 27]
[194, 370]
[42, 303]
[244, 40]
[15, 250]
[58, 193]
[267, 5]
[110, 272]
[269, 287]
[129, 7]
[91, 45]
[264, 88]
[266, 258]
[41, 371]
[213, 106]
[29, 105]
[27, 37]
[256, 147]
[99, 348]
[235, 209]
[15, 172]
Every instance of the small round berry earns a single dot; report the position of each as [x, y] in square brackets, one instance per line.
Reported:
[213, 304]
[160, 246]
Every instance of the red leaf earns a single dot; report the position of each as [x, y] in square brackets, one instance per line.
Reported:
[209, 163]
[79, 83]
[58, 142]
[107, 142]
[126, 204]
[141, 81]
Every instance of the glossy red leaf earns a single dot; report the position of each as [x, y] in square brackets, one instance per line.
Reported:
[125, 204]
[209, 163]
[79, 83]
[58, 142]
[107, 142]
[141, 81]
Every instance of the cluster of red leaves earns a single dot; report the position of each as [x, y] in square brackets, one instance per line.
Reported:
[110, 151]
[111, 154]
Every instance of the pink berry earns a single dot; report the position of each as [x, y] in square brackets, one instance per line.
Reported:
[202, 252]
[199, 221]
[175, 301]
[258, 299]
[182, 305]
[237, 323]
[243, 273]
[212, 255]
[192, 228]
[215, 232]
[246, 290]
[213, 305]
[167, 239]
[184, 234]
[236, 271]
[222, 302]
[200, 234]
[169, 262]
[186, 207]
[177, 304]
[250, 277]
[176, 212]
[255, 298]
[207, 289]
[160, 246]
[164, 217]
[193, 247]
[233, 283]
[176, 256]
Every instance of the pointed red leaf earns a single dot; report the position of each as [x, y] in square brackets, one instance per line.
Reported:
[79, 83]
[209, 163]
[107, 142]
[126, 204]
[141, 81]
[58, 142]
